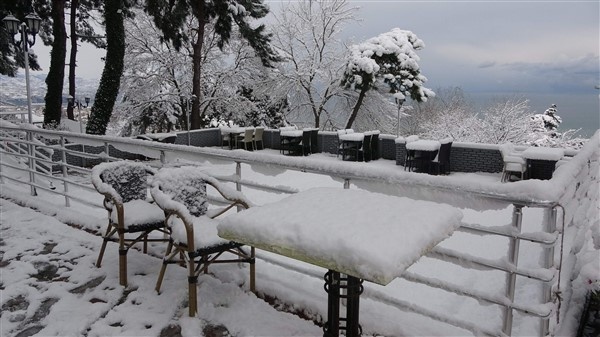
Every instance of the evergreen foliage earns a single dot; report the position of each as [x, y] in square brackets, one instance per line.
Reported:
[391, 58]
[113, 68]
[11, 56]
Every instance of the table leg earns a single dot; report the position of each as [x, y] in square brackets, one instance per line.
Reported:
[334, 284]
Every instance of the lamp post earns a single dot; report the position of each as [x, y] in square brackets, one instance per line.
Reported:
[78, 103]
[29, 28]
[399, 102]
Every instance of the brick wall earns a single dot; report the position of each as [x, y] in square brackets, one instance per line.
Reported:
[466, 157]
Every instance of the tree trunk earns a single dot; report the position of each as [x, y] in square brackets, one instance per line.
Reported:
[56, 73]
[197, 71]
[361, 97]
[73, 57]
[110, 80]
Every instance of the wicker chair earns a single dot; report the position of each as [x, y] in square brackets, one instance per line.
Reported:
[182, 194]
[131, 216]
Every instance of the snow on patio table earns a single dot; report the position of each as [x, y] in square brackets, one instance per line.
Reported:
[367, 235]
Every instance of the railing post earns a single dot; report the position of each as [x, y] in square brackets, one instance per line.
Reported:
[346, 183]
[107, 151]
[550, 218]
[31, 153]
[163, 158]
[64, 171]
[511, 278]
[238, 183]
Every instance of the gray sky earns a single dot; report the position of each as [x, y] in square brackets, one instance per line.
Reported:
[543, 50]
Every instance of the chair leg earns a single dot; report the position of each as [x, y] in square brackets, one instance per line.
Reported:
[109, 232]
[163, 268]
[122, 260]
[192, 281]
[252, 270]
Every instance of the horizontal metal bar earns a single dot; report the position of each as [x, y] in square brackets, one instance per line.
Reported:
[467, 261]
[540, 237]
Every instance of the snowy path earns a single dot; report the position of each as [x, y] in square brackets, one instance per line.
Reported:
[50, 287]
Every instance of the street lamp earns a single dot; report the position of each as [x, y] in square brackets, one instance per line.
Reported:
[76, 102]
[29, 28]
[399, 102]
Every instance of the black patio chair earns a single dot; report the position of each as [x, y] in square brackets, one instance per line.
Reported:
[193, 240]
[365, 151]
[314, 141]
[375, 146]
[132, 216]
[302, 148]
[441, 164]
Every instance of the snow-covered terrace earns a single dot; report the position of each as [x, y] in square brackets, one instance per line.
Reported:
[513, 268]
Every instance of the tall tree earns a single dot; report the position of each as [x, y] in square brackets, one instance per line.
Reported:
[80, 28]
[108, 89]
[307, 36]
[170, 18]
[390, 58]
[56, 73]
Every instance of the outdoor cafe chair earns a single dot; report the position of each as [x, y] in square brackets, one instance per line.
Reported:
[246, 139]
[375, 145]
[303, 147]
[364, 152]
[182, 194]
[131, 213]
[513, 162]
[442, 162]
[258, 138]
[314, 140]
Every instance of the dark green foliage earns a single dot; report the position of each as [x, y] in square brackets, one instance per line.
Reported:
[56, 74]
[11, 56]
[113, 68]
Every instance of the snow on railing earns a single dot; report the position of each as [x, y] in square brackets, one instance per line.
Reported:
[549, 214]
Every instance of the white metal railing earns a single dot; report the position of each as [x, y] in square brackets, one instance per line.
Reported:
[549, 238]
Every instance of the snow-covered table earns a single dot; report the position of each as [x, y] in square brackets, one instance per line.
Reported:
[541, 161]
[230, 134]
[289, 139]
[425, 151]
[351, 142]
[365, 235]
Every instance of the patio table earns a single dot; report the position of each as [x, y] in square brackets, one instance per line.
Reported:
[233, 132]
[288, 138]
[352, 141]
[425, 152]
[541, 161]
[159, 137]
[364, 235]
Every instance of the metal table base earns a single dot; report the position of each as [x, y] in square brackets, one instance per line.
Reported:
[335, 286]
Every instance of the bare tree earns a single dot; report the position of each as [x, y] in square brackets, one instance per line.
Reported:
[307, 37]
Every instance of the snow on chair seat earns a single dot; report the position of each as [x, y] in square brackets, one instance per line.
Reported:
[182, 194]
[124, 185]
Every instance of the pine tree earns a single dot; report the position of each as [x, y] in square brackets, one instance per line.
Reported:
[390, 57]
[170, 18]
[114, 10]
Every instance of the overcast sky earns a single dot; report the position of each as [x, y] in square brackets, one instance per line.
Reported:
[546, 49]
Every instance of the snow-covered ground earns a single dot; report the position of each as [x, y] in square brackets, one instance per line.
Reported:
[51, 287]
